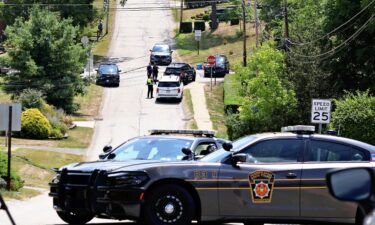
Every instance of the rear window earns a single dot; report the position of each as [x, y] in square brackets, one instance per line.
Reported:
[169, 84]
[108, 69]
[173, 71]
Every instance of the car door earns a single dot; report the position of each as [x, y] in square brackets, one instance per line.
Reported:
[322, 156]
[267, 185]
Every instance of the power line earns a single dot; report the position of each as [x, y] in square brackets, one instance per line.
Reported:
[337, 48]
[334, 30]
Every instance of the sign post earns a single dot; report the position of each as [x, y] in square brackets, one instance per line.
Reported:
[198, 36]
[321, 112]
[211, 61]
[10, 120]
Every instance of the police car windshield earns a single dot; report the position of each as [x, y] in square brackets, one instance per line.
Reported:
[237, 145]
[163, 149]
[108, 69]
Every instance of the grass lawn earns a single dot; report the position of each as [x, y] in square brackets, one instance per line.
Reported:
[215, 105]
[79, 137]
[189, 110]
[34, 167]
[90, 103]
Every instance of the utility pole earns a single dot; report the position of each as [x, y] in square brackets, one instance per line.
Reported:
[256, 23]
[181, 13]
[106, 23]
[286, 23]
[244, 32]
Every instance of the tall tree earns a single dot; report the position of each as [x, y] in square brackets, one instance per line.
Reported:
[45, 57]
[81, 11]
[353, 66]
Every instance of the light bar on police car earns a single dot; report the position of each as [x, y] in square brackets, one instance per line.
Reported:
[298, 128]
[193, 132]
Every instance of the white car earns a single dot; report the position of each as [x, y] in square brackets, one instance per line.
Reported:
[170, 87]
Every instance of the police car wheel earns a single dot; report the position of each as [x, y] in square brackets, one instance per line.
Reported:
[74, 219]
[169, 204]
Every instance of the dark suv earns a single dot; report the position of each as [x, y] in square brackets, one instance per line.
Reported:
[184, 70]
[220, 69]
[161, 54]
[108, 74]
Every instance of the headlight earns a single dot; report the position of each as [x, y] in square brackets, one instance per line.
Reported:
[153, 56]
[127, 178]
[56, 179]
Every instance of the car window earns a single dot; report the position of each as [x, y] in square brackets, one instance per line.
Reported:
[164, 149]
[169, 84]
[323, 151]
[173, 70]
[203, 148]
[275, 151]
[108, 69]
[160, 48]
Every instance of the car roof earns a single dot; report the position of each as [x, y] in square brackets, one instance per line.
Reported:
[108, 64]
[324, 137]
[169, 78]
[176, 65]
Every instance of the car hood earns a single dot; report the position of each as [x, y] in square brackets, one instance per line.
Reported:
[108, 165]
[160, 53]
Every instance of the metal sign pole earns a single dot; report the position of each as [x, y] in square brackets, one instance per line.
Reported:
[320, 128]
[198, 47]
[9, 145]
[211, 77]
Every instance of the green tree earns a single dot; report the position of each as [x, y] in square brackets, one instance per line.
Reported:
[354, 116]
[80, 11]
[45, 57]
[353, 65]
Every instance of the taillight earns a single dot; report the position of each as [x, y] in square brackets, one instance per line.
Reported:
[157, 90]
[178, 90]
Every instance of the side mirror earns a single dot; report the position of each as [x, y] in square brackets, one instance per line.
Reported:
[239, 158]
[227, 146]
[119, 71]
[150, 50]
[355, 184]
[96, 70]
[107, 148]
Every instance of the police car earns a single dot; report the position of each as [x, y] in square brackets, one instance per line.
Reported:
[260, 178]
[170, 86]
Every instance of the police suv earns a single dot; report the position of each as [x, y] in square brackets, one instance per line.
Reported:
[260, 178]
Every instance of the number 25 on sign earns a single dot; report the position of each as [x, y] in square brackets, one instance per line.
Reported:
[320, 111]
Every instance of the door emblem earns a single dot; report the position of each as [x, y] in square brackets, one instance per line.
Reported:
[261, 186]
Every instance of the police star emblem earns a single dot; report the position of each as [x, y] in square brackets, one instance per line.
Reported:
[261, 186]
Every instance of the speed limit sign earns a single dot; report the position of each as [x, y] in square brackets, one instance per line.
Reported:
[320, 111]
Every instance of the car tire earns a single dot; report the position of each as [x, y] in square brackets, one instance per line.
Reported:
[74, 219]
[169, 204]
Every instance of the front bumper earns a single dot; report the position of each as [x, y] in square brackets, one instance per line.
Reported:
[92, 196]
[107, 80]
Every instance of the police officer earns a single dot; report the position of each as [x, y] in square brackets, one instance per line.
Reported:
[150, 87]
[149, 70]
[155, 71]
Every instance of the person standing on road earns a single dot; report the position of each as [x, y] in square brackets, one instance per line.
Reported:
[149, 70]
[150, 87]
[155, 71]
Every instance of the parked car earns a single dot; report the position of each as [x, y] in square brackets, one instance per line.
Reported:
[261, 178]
[108, 74]
[170, 87]
[184, 70]
[220, 68]
[161, 54]
[355, 185]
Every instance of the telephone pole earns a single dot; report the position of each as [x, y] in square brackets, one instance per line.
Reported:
[181, 13]
[106, 23]
[256, 23]
[244, 32]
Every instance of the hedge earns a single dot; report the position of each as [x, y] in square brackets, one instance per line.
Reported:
[200, 25]
[186, 27]
[34, 125]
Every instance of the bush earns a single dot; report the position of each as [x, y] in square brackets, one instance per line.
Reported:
[354, 116]
[200, 25]
[234, 22]
[31, 98]
[56, 133]
[186, 27]
[34, 125]
[16, 181]
[206, 17]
